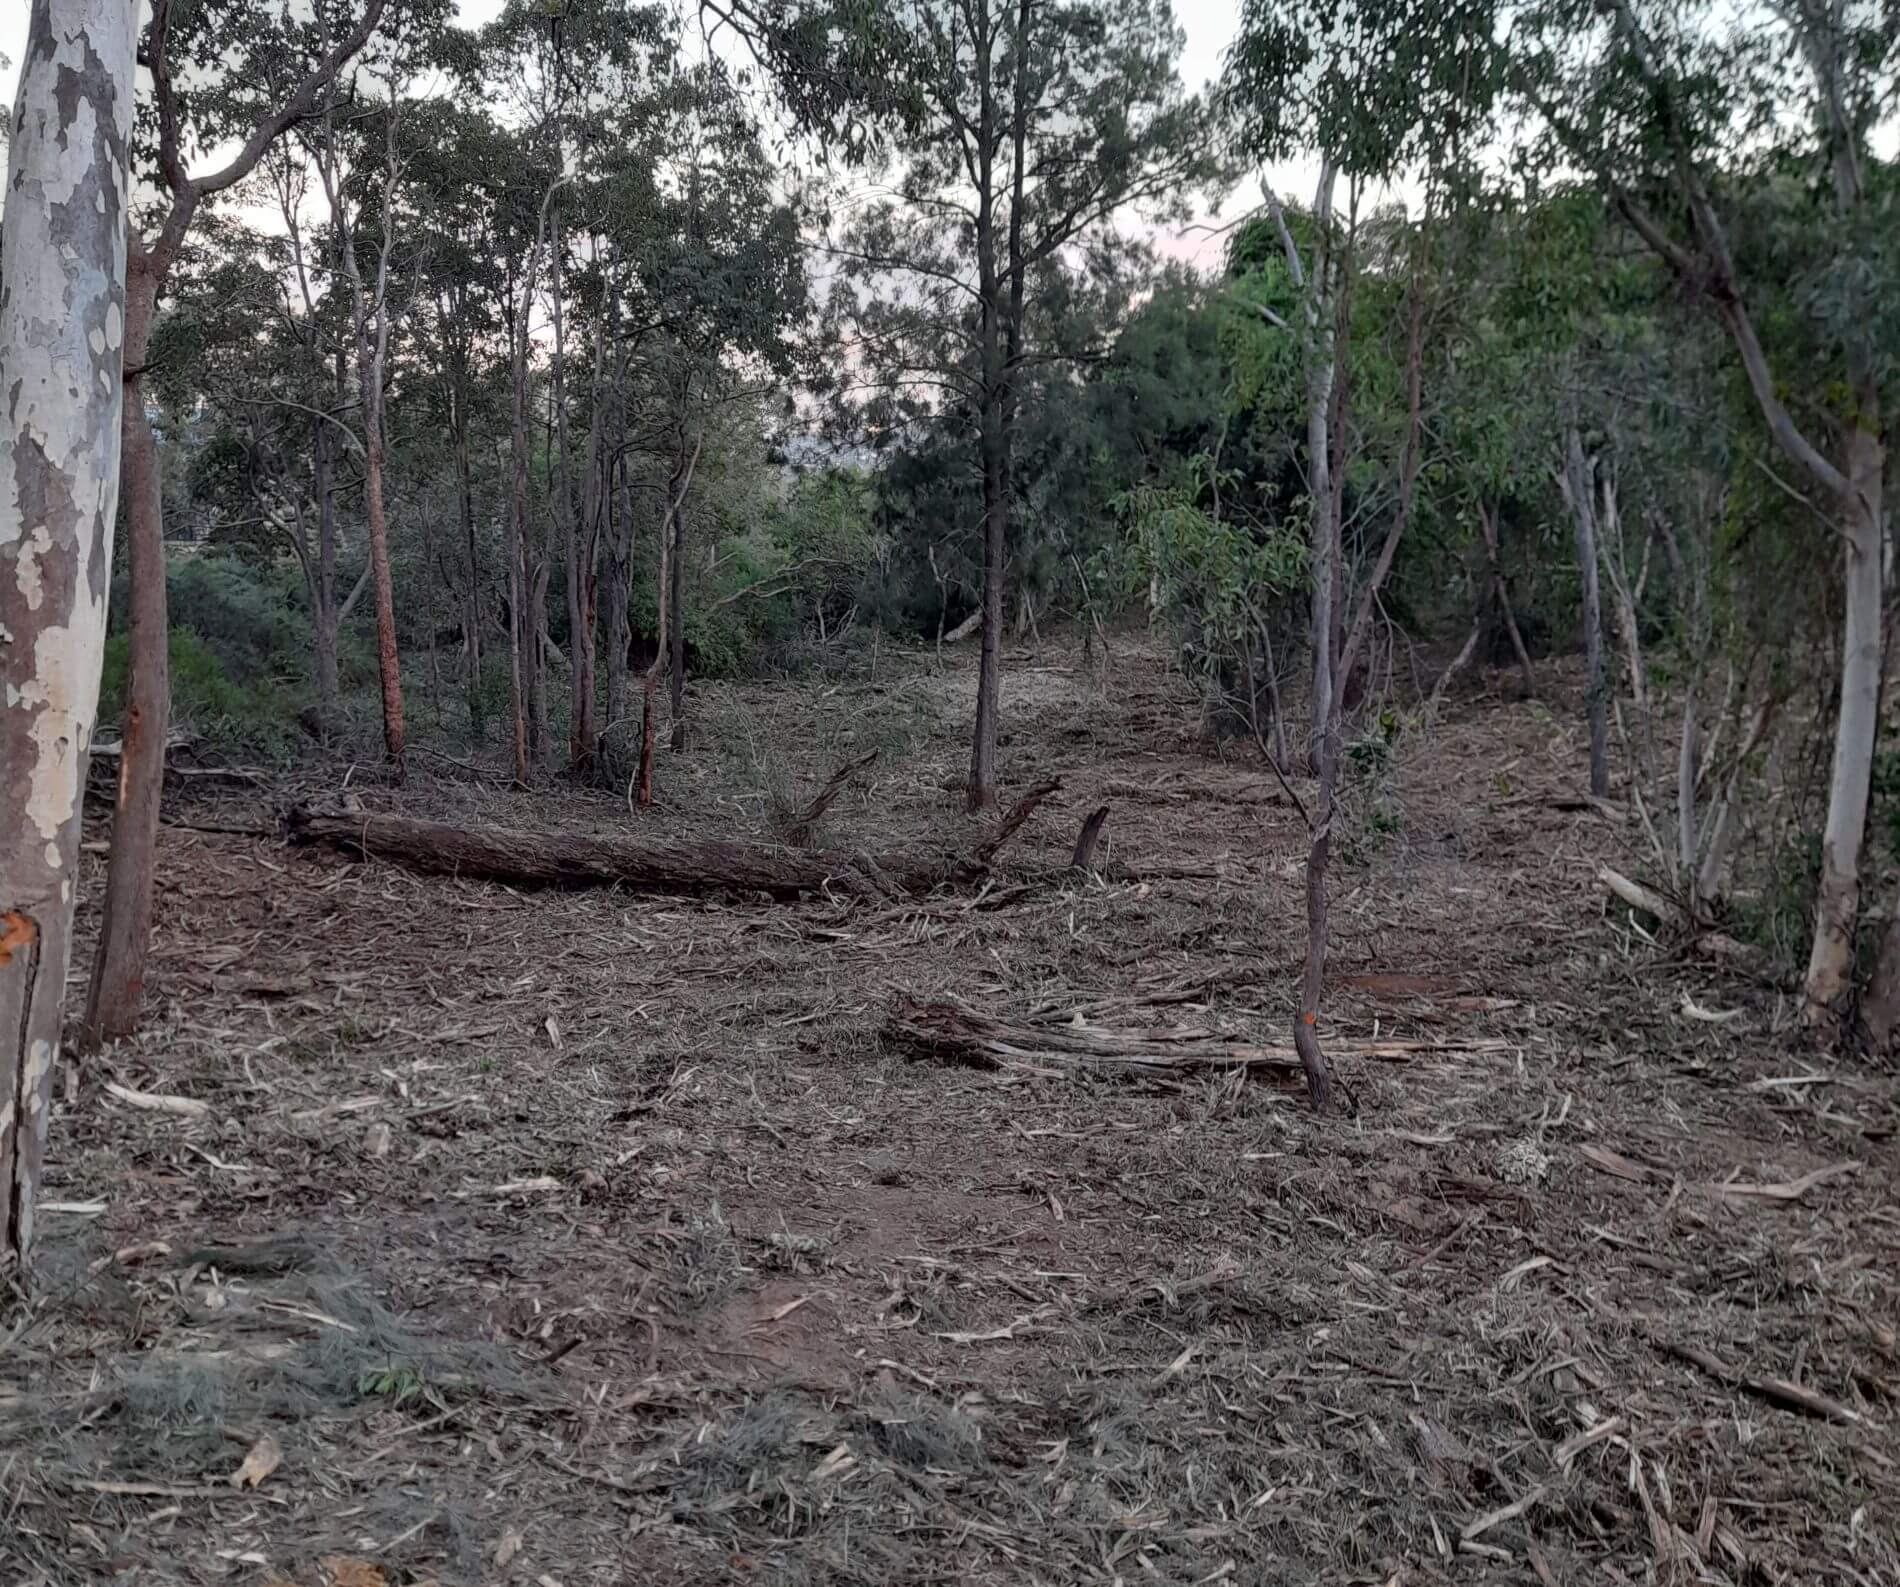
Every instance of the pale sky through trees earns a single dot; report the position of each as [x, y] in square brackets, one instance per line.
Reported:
[1209, 25]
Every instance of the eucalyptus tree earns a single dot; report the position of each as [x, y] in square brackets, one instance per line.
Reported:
[1376, 89]
[1028, 127]
[462, 160]
[722, 293]
[223, 72]
[1666, 107]
[362, 154]
[571, 82]
[62, 338]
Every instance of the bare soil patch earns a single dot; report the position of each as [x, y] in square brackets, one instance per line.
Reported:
[596, 1238]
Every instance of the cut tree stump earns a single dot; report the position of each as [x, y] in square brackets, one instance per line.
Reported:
[571, 860]
[961, 1035]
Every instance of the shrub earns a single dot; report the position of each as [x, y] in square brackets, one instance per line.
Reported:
[205, 698]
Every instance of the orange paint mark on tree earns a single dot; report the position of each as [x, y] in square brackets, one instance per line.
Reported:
[16, 931]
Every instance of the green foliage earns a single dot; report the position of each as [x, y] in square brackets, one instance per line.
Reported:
[206, 698]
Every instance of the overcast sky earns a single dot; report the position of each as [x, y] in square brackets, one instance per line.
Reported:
[1209, 25]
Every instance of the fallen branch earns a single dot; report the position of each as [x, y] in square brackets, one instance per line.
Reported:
[949, 1031]
[1776, 1391]
[1637, 896]
[1007, 828]
[798, 828]
[571, 859]
[159, 1102]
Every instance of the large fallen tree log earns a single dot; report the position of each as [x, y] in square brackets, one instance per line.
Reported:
[571, 859]
[950, 1031]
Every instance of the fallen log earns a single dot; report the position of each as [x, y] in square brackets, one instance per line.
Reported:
[961, 1035]
[571, 859]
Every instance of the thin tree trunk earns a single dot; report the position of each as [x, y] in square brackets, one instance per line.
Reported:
[580, 701]
[1313, 974]
[995, 437]
[1830, 964]
[387, 667]
[677, 486]
[540, 736]
[516, 535]
[1580, 491]
[117, 989]
[1488, 522]
[472, 595]
[676, 633]
[323, 613]
[62, 320]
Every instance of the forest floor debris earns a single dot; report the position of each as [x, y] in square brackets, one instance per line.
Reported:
[588, 1237]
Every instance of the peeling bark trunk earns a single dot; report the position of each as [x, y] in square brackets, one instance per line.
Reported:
[62, 330]
[117, 990]
[1831, 962]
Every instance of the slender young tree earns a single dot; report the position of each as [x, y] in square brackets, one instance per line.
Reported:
[1032, 125]
[1379, 87]
[62, 340]
[264, 84]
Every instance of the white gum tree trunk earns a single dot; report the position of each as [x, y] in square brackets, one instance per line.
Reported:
[62, 334]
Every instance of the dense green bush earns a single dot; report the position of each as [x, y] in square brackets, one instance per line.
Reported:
[207, 699]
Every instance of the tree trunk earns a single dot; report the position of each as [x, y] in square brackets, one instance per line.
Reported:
[615, 598]
[387, 667]
[676, 632]
[989, 676]
[1319, 486]
[323, 614]
[1488, 524]
[540, 735]
[516, 537]
[678, 484]
[1830, 964]
[584, 594]
[62, 323]
[472, 595]
[580, 696]
[1580, 491]
[117, 989]
[995, 437]
[1313, 975]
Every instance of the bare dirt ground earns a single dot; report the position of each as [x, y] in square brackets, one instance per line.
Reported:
[591, 1238]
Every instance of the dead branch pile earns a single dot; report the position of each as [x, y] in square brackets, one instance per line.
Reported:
[950, 1031]
[573, 860]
